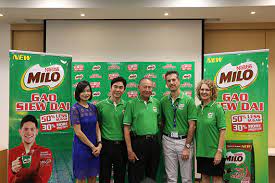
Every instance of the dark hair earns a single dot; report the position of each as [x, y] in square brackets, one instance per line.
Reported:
[171, 72]
[80, 88]
[29, 118]
[119, 79]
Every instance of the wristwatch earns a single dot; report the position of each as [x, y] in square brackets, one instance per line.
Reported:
[220, 150]
[187, 146]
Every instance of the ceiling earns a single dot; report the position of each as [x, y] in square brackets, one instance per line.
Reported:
[216, 11]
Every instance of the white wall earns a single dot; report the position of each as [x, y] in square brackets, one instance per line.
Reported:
[4, 80]
[127, 40]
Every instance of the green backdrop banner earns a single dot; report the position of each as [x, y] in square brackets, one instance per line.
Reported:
[100, 74]
[40, 84]
[242, 81]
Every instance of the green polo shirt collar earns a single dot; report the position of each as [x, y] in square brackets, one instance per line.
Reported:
[141, 100]
[121, 102]
[179, 97]
[210, 104]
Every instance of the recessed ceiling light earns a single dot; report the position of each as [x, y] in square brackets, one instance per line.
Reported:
[82, 14]
[1, 15]
[253, 12]
[166, 14]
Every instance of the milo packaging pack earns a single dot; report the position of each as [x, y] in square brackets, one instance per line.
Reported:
[239, 164]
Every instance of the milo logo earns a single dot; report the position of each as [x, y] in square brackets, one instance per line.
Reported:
[151, 67]
[243, 75]
[132, 76]
[37, 76]
[27, 160]
[96, 94]
[235, 158]
[96, 67]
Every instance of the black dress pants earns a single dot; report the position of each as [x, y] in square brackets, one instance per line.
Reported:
[147, 150]
[113, 154]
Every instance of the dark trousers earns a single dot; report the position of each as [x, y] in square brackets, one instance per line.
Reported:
[113, 154]
[148, 153]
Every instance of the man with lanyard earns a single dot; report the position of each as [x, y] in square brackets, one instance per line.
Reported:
[178, 115]
[110, 117]
[141, 119]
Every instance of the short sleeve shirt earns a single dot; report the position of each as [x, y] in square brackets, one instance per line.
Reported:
[110, 117]
[211, 119]
[177, 114]
[143, 116]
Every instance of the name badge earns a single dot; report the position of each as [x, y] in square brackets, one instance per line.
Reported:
[174, 134]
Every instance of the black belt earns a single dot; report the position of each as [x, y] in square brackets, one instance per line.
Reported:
[179, 137]
[146, 137]
[113, 141]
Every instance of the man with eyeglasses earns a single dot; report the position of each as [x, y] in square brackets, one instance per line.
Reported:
[141, 120]
[179, 114]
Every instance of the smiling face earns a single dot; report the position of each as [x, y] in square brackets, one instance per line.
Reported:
[85, 94]
[172, 82]
[205, 93]
[28, 132]
[145, 88]
[117, 89]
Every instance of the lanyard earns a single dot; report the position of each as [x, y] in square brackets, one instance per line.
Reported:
[175, 107]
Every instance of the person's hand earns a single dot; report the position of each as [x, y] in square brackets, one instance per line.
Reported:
[16, 165]
[132, 156]
[96, 150]
[185, 154]
[217, 158]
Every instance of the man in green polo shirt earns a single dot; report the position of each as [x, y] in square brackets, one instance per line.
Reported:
[110, 117]
[141, 122]
[179, 114]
